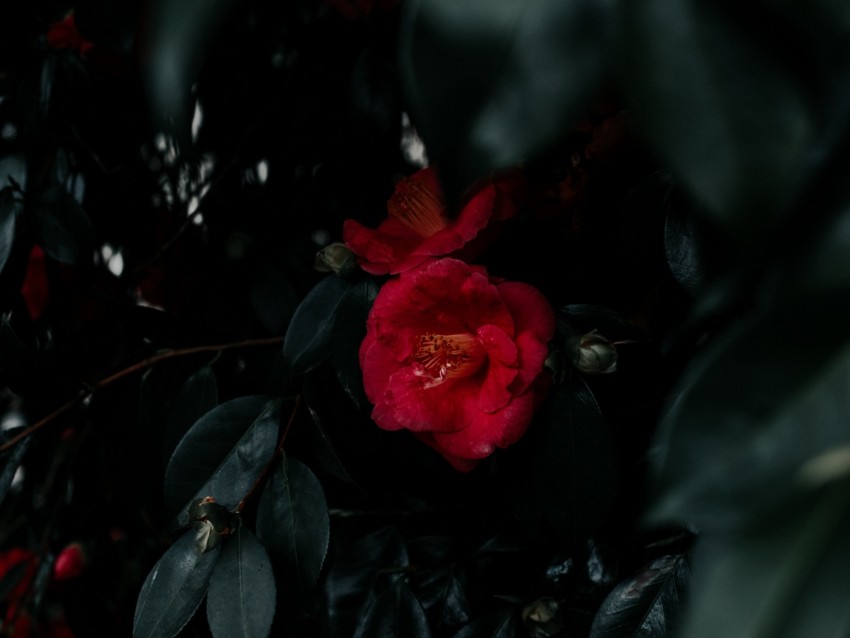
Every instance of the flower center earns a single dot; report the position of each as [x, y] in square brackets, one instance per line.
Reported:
[417, 207]
[442, 357]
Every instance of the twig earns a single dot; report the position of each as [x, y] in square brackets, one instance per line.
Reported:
[141, 365]
[273, 459]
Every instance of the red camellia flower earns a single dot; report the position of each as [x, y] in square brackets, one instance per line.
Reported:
[417, 229]
[64, 35]
[456, 358]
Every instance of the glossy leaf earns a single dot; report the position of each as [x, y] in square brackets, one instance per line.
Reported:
[443, 598]
[715, 90]
[352, 576]
[309, 338]
[8, 214]
[173, 589]
[10, 460]
[785, 578]
[241, 600]
[293, 523]
[65, 230]
[767, 398]
[223, 454]
[395, 613]
[494, 83]
[647, 604]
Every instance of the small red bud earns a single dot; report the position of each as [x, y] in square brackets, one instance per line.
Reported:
[70, 563]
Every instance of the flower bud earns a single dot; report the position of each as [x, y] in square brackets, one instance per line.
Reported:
[70, 562]
[593, 354]
[336, 258]
[541, 618]
[211, 521]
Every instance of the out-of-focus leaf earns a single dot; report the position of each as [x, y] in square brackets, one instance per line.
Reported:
[8, 214]
[65, 230]
[395, 613]
[647, 604]
[568, 483]
[197, 396]
[11, 578]
[10, 460]
[494, 83]
[309, 338]
[353, 573]
[293, 523]
[784, 578]
[241, 600]
[720, 91]
[767, 398]
[13, 170]
[173, 589]
[223, 454]
[176, 43]
[349, 332]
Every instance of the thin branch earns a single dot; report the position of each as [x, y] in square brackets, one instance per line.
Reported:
[267, 470]
[136, 367]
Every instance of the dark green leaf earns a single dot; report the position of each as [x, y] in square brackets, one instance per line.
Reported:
[720, 92]
[443, 598]
[349, 332]
[173, 589]
[13, 171]
[309, 338]
[8, 213]
[647, 604]
[494, 83]
[570, 480]
[197, 396]
[769, 397]
[395, 613]
[65, 230]
[223, 454]
[10, 460]
[785, 578]
[354, 572]
[325, 449]
[293, 523]
[241, 600]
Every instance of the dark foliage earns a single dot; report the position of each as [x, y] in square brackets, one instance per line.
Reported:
[181, 393]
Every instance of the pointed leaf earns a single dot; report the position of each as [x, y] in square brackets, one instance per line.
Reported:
[308, 340]
[443, 597]
[223, 454]
[293, 523]
[173, 589]
[241, 601]
[486, 81]
[65, 230]
[647, 604]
